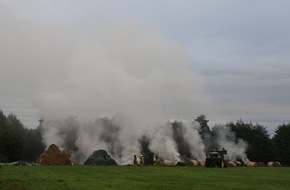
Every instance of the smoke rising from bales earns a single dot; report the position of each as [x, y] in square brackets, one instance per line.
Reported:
[174, 141]
[188, 140]
[138, 79]
[122, 139]
[163, 144]
[236, 148]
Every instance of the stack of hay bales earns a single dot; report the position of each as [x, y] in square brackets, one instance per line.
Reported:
[252, 164]
[274, 164]
[53, 156]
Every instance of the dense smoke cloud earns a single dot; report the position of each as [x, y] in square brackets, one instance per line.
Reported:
[129, 73]
[107, 68]
[101, 69]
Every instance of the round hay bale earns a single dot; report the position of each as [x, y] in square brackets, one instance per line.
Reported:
[252, 164]
[270, 164]
[158, 163]
[166, 163]
[274, 164]
[261, 164]
[238, 163]
[201, 163]
[192, 163]
[232, 164]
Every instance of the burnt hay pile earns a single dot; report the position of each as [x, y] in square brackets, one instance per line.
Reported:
[53, 156]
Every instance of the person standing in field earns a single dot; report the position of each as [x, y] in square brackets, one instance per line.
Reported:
[154, 159]
[141, 160]
[135, 160]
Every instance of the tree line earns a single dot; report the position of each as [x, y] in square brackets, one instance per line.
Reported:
[261, 147]
[20, 143]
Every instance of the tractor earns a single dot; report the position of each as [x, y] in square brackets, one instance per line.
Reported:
[216, 159]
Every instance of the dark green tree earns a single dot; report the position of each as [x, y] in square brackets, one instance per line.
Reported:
[13, 139]
[178, 136]
[205, 132]
[260, 146]
[144, 142]
[282, 142]
[204, 128]
[3, 126]
[17, 142]
[34, 145]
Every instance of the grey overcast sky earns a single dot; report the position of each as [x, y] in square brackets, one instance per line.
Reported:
[227, 59]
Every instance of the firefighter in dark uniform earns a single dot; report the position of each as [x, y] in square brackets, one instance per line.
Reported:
[135, 160]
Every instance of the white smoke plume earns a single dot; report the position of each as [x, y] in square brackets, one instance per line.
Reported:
[163, 144]
[192, 136]
[122, 139]
[236, 148]
[105, 69]
[102, 68]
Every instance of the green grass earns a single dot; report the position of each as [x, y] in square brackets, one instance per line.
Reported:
[108, 177]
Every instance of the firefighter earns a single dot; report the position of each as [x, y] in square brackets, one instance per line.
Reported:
[142, 160]
[135, 160]
[154, 159]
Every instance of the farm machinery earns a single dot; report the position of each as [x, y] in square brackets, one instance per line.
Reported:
[216, 159]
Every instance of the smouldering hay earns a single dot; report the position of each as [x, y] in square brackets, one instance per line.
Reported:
[232, 164]
[238, 163]
[54, 156]
[274, 164]
[201, 162]
[252, 164]
[192, 163]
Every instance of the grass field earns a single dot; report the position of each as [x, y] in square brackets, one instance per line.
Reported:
[129, 177]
